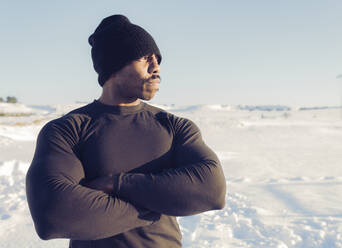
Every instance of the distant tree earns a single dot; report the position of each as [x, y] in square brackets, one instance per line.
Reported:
[11, 99]
[1, 99]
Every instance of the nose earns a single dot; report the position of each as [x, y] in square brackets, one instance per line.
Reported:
[154, 67]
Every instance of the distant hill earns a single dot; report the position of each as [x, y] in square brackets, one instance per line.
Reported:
[15, 109]
[19, 109]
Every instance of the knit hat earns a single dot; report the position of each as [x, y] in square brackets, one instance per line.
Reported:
[116, 42]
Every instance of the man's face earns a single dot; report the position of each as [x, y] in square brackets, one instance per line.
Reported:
[139, 79]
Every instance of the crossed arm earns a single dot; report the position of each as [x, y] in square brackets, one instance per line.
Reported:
[61, 207]
[186, 190]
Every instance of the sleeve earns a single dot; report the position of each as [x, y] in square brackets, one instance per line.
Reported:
[60, 206]
[195, 184]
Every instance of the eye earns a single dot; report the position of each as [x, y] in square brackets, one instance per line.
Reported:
[145, 58]
[148, 58]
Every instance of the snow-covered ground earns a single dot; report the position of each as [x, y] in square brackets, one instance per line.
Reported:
[283, 168]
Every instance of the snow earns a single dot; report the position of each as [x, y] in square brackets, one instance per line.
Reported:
[264, 107]
[14, 108]
[282, 166]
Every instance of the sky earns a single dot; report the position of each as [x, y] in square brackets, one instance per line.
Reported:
[214, 52]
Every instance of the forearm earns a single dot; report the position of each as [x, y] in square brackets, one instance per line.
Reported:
[183, 191]
[61, 208]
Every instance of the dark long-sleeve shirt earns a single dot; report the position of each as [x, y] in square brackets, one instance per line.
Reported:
[163, 168]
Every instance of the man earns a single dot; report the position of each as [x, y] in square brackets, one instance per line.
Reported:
[117, 171]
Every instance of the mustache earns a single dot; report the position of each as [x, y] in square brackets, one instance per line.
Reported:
[153, 77]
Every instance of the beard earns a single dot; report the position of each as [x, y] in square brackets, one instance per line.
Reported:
[148, 92]
[142, 88]
[149, 89]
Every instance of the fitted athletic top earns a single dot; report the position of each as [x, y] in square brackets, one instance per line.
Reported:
[162, 169]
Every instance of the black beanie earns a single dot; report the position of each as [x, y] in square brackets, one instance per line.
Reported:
[116, 42]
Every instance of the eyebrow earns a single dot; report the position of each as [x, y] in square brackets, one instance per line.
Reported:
[149, 57]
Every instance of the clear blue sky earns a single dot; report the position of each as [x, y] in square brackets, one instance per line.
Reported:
[214, 52]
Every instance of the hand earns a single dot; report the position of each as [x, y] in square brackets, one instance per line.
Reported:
[146, 214]
[108, 185]
[103, 183]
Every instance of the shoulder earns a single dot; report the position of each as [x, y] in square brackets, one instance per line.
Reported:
[75, 118]
[70, 125]
[155, 110]
[180, 125]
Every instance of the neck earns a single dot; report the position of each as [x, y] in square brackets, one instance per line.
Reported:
[110, 97]
[118, 102]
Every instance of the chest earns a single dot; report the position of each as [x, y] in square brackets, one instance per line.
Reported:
[127, 145]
